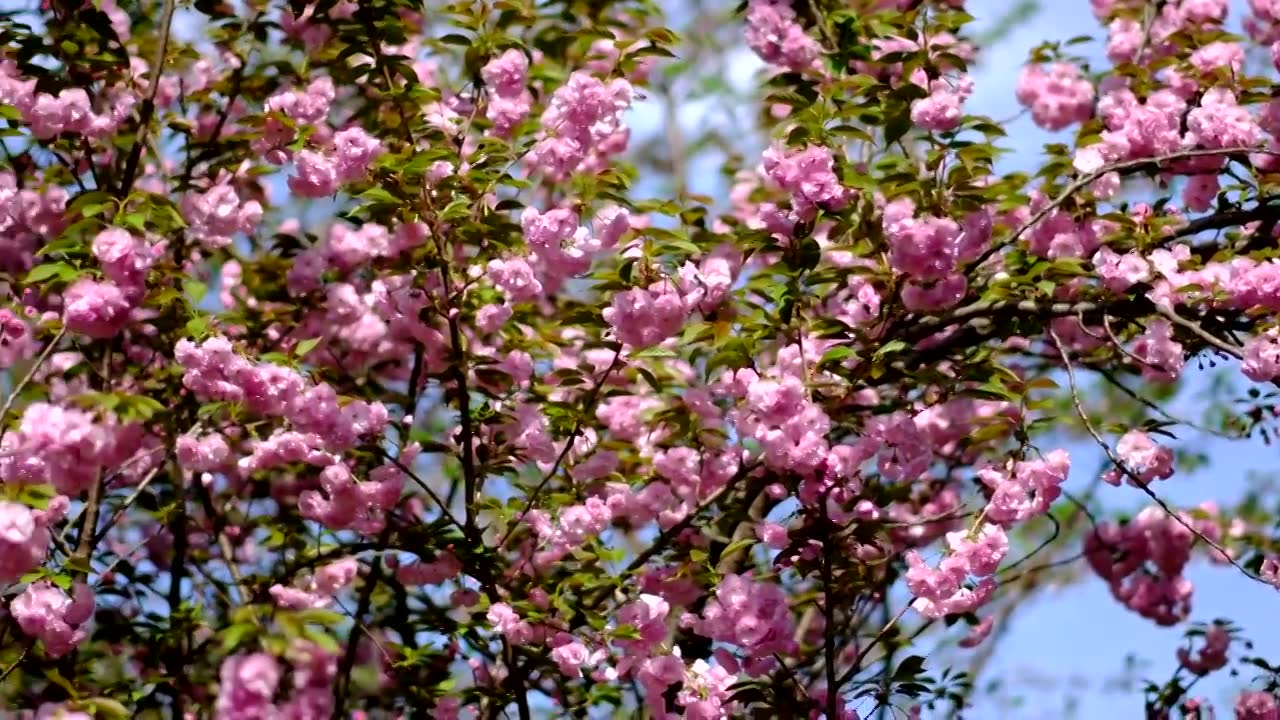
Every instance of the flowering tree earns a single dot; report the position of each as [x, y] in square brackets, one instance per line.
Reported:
[359, 361]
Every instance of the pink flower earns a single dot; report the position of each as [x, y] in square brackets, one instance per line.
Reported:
[1218, 56]
[644, 317]
[571, 657]
[1212, 656]
[583, 117]
[930, 248]
[809, 176]
[62, 447]
[97, 309]
[1028, 490]
[1200, 191]
[943, 591]
[216, 215]
[23, 541]
[648, 615]
[1270, 570]
[751, 614]
[1058, 97]
[516, 279]
[202, 454]
[445, 567]
[1142, 561]
[941, 111]
[45, 613]
[16, 342]
[505, 77]
[775, 35]
[308, 107]
[247, 687]
[506, 621]
[978, 633]
[1221, 123]
[354, 151]
[706, 694]
[291, 598]
[772, 534]
[1162, 357]
[1121, 272]
[69, 111]
[1261, 356]
[124, 257]
[507, 73]
[1257, 705]
[1143, 457]
[318, 175]
[979, 553]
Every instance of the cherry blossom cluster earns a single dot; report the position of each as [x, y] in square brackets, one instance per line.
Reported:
[1143, 562]
[215, 372]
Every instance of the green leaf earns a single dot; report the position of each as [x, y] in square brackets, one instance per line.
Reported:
[34, 576]
[320, 616]
[101, 706]
[649, 378]
[48, 271]
[66, 243]
[37, 496]
[909, 668]
[304, 347]
[655, 351]
[889, 348]
[897, 125]
[737, 545]
[55, 677]
[321, 638]
[86, 199]
[196, 289]
[138, 408]
[236, 634]
[198, 327]
[378, 195]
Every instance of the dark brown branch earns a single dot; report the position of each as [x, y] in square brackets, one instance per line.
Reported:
[148, 105]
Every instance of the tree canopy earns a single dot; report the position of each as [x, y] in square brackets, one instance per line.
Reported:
[362, 361]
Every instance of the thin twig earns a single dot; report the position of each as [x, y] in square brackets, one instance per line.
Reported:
[26, 380]
[149, 104]
[444, 509]
[23, 656]
[343, 681]
[1119, 345]
[1200, 332]
[587, 405]
[1133, 477]
[829, 627]
[1152, 405]
[862, 654]
[1088, 179]
[128, 503]
[1057, 530]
